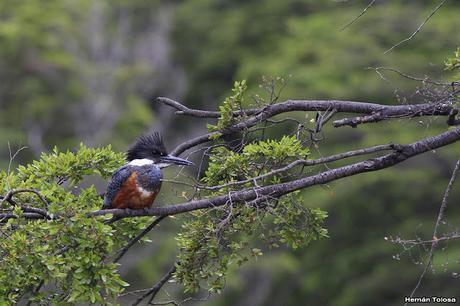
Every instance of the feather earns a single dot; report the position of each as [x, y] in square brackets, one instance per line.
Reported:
[115, 184]
[146, 146]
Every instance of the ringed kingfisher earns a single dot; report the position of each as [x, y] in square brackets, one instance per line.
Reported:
[136, 184]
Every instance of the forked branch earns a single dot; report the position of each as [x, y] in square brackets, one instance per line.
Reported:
[370, 112]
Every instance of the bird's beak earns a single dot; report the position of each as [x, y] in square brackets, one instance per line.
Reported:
[169, 159]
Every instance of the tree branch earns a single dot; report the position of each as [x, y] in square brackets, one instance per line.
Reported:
[277, 190]
[359, 16]
[418, 29]
[441, 213]
[184, 110]
[376, 112]
[402, 153]
[123, 251]
[413, 78]
[452, 120]
[310, 162]
[342, 106]
[156, 288]
[9, 196]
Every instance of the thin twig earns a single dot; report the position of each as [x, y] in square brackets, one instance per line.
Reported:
[12, 157]
[415, 242]
[424, 80]
[418, 29]
[441, 213]
[359, 16]
[310, 162]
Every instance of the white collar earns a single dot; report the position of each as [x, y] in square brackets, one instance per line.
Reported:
[140, 162]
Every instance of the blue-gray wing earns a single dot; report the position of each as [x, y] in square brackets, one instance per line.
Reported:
[117, 180]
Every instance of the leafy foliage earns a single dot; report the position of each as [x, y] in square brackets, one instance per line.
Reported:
[214, 240]
[453, 64]
[230, 104]
[68, 251]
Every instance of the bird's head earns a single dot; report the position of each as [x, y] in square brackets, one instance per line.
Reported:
[150, 149]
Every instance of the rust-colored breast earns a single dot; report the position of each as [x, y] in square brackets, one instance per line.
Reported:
[132, 196]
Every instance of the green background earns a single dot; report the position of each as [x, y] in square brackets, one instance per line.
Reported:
[89, 71]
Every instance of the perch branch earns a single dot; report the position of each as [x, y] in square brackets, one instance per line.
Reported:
[402, 153]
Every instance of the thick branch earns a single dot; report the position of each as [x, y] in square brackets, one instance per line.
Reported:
[374, 112]
[277, 190]
[342, 106]
[401, 154]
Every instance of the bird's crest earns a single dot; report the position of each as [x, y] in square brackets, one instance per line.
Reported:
[147, 146]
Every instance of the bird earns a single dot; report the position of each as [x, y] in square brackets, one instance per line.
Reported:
[137, 183]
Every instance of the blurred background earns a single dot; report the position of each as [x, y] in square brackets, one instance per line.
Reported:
[89, 71]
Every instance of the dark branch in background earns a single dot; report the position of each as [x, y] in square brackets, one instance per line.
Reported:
[30, 211]
[156, 288]
[123, 251]
[452, 120]
[418, 29]
[36, 290]
[26, 215]
[441, 213]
